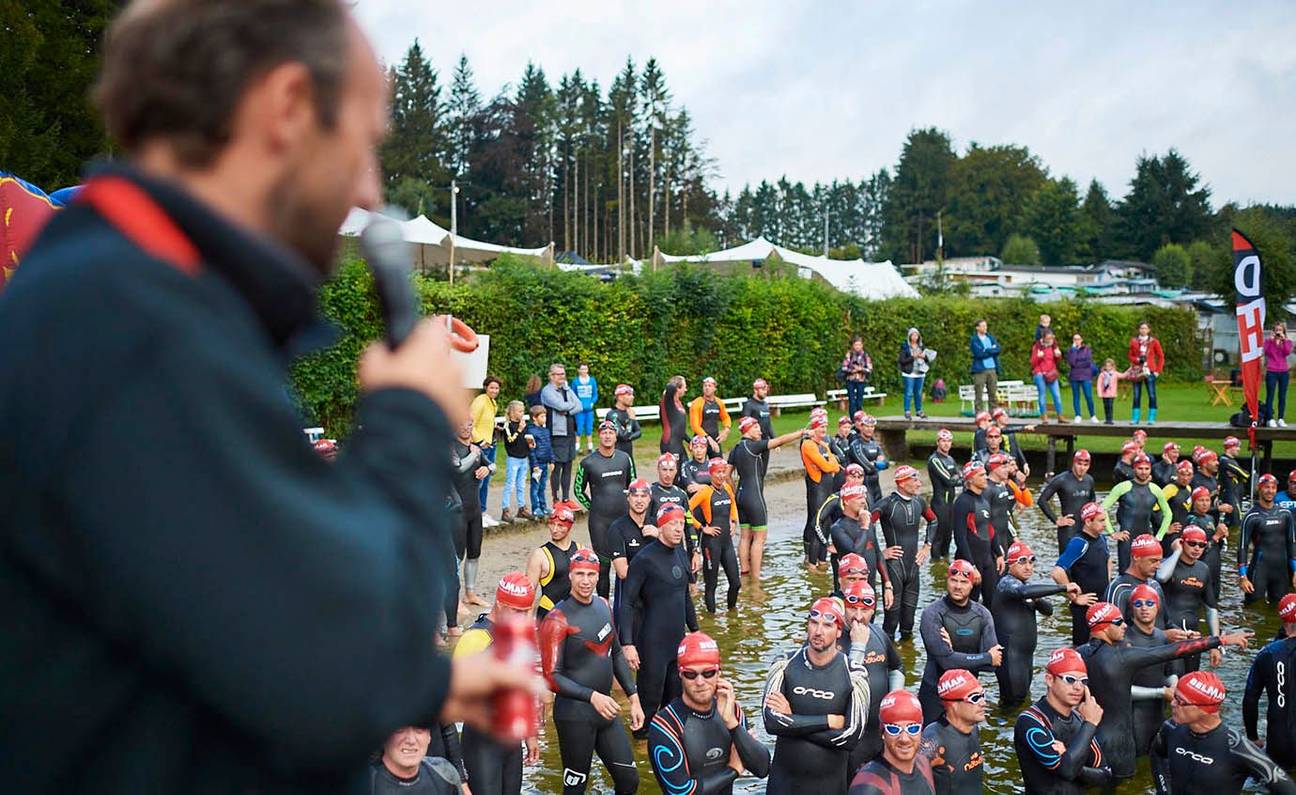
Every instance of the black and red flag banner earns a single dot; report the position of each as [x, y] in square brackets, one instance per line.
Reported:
[1251, 322]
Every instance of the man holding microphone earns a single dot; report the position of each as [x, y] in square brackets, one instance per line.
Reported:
[180, 570]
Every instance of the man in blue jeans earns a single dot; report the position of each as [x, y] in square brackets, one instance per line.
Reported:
[985, 366]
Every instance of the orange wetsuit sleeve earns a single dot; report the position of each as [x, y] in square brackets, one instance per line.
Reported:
[695, 416]
[701, 499]
[815, 462]
[1023, 495]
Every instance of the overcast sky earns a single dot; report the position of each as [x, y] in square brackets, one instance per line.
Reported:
[819, 91]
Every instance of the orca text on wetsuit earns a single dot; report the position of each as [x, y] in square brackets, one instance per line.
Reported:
[1273, 673]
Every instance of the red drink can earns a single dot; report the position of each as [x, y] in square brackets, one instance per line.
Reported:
[515, 709]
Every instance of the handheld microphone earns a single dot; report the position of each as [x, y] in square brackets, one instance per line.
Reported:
[388, 257]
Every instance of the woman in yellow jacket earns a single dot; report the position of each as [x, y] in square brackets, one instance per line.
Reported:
[483, 411]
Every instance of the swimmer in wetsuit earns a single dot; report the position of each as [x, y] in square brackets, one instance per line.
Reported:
[866, 645]
[957, 633]
[1186, 581]
[666, 492]
[855, 533]
[1003, 494]
[749, 459]
[628, 534]
[1124, 467]
[1112, 665]
[1087, 563]
[656, 611]
[820, 466]
[867, 451]
[1015, 605]
[601, 482]
[1054, 737]
[757, 407]
[901, 769]
[1149, 685]
[548, 566]
[699, 743]
[1273, 673]
[815, 706]
[1225, 513]
[974, 537]
[1074, 489]
[674, 419]
[622, 416]
[830, 511]
[580, 656]
[1145, 557]
[1269, 535]
[952, 743]
[709, 417]
[716, 512]
[1141, 508]
[1196, 753]
[943, 472]
[495, 768]
[1179, 495]
[908, 527]
[693, 473]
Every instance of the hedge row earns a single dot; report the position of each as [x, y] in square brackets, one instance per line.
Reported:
[690, 320]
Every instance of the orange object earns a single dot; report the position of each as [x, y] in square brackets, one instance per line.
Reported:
[462, 338]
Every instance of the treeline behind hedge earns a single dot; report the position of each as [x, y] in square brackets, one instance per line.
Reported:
[693, 321]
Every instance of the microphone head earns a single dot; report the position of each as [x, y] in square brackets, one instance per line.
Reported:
[382, 243]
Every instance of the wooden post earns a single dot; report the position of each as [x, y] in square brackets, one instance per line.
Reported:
[1050, 464]
[895, 443]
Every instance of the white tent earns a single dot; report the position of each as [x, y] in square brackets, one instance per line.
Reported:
[871, 280]
[433, 241]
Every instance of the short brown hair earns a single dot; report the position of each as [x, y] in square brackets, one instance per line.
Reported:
[177, 69]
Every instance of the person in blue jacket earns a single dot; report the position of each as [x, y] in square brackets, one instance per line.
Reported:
[587, 390]
[985, 366]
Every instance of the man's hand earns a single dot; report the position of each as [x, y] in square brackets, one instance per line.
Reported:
[630, 412]
[651, 531]
[724, 433]
[1065, 521]
[1175, 527]
[1085, 599]
[996, 655]
[636, 713]
[727, 704]
[713, 444]
[481, 472]
[924, 552]
[1216, 657]
[944, 635]
[836, 721]
[1221, 532]
[532, 751]
[475, 679]
[1090, 710]
[1238, 639]
[711, 531]
[888, 596]
[832, 549]
[893, 552]
[1224, 507]
[777, 702]
[697, 562]
[999, 564]
[1072, 590]
[1246, 585]
[605, 705]
[535, 473]
[859, 632]
[632, 657]
[423, 363]
[1122, 535]
[1175, 634]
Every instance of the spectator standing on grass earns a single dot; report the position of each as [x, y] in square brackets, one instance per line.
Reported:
[856, 369]
[483, 411]
[1080, 359]
[985, 366]
[533, 386]
[1148, 360]
[1045, 355]
[1108, 383]
[517, 448]
[539, 460]
[563, 405]
[915, 361]
[1277, 348]
[587, 390]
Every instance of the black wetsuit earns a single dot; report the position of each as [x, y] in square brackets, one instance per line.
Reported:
[715, 507]
[1148, 713]
[1012, 447]
[1044, 770]
[1119, 591]
[972, 634]
[1269, 535]
[655, 612]
[601, 484]
[659, 495]
[627, 429]
[826, 516]
[879, 657]
[1122, 472]
[689, 750]
[866, 453]
[1273, 672]
[1085, 561]
[1111, 672]
[580, 655]
[749, 459]
[849, 535]
[906, 522]
[1214, 555]
[556, 585]
[1234, 481]
[435, 776]
[494, 768]
[1163, 472]
[694, 472]
[1187, 590]
[1015, 605]
[1002, 501]
[1073, 494]
[816, 493]
[956, 762]
[465, 460]
[1215, 763]
[674, 420]
[880, 778]
[809, 756]
[975, 541]
[945, 478]
[760, 409]
[711, 415]
[627, 539]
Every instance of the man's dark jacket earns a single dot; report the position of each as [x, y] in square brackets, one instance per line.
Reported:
[191, 600]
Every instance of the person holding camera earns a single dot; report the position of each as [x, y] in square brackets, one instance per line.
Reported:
[915, 362]
[1276, 349]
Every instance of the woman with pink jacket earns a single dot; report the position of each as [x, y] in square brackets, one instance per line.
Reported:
[1277, 348]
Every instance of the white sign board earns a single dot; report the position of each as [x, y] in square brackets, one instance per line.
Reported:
[473, 364]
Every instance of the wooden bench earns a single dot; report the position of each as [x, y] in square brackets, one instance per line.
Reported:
[839, 396]
[779, 402]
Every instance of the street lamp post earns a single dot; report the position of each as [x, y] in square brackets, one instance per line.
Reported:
[454, 223]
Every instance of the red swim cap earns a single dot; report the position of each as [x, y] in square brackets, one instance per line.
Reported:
[998, 412]
[1142, 459]
[586, 559]
[1208, 455]
[1145, 591]
[855, 470]
[1065, 660]
[1100, 615]
[1200, 491]
[1287, 609]
[818, 422]
[1170, 446]
[860, 594]
[1231, 441]
[830, 607]
[1145, 546]
[853, 492]
[1267, 478]
[965, 569]
[515, 590]
[697, 439]
[1018, 550]
[900, 706]
[852, 563]
[638, 485]
[1090, 511]
[759, 382]
[971, 468]
[998, 460]
[982, 416]
[1184, 465]
[1129, 447]
[747, 423]
[843, 420]
[623, 389]
[1140, 434]
[717, 465]
[957, 684]
[1202, 689]
[607, 425]
[563, 514]
[1081, 455]
[859, 415]
[944, 435]
[666, 458]
[1193, 534]
[697, 649]
[669, 512]
[904, 472]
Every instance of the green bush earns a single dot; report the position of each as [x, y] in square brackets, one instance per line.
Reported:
[695, 321]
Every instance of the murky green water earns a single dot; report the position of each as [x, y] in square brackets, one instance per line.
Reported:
[773, 619]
